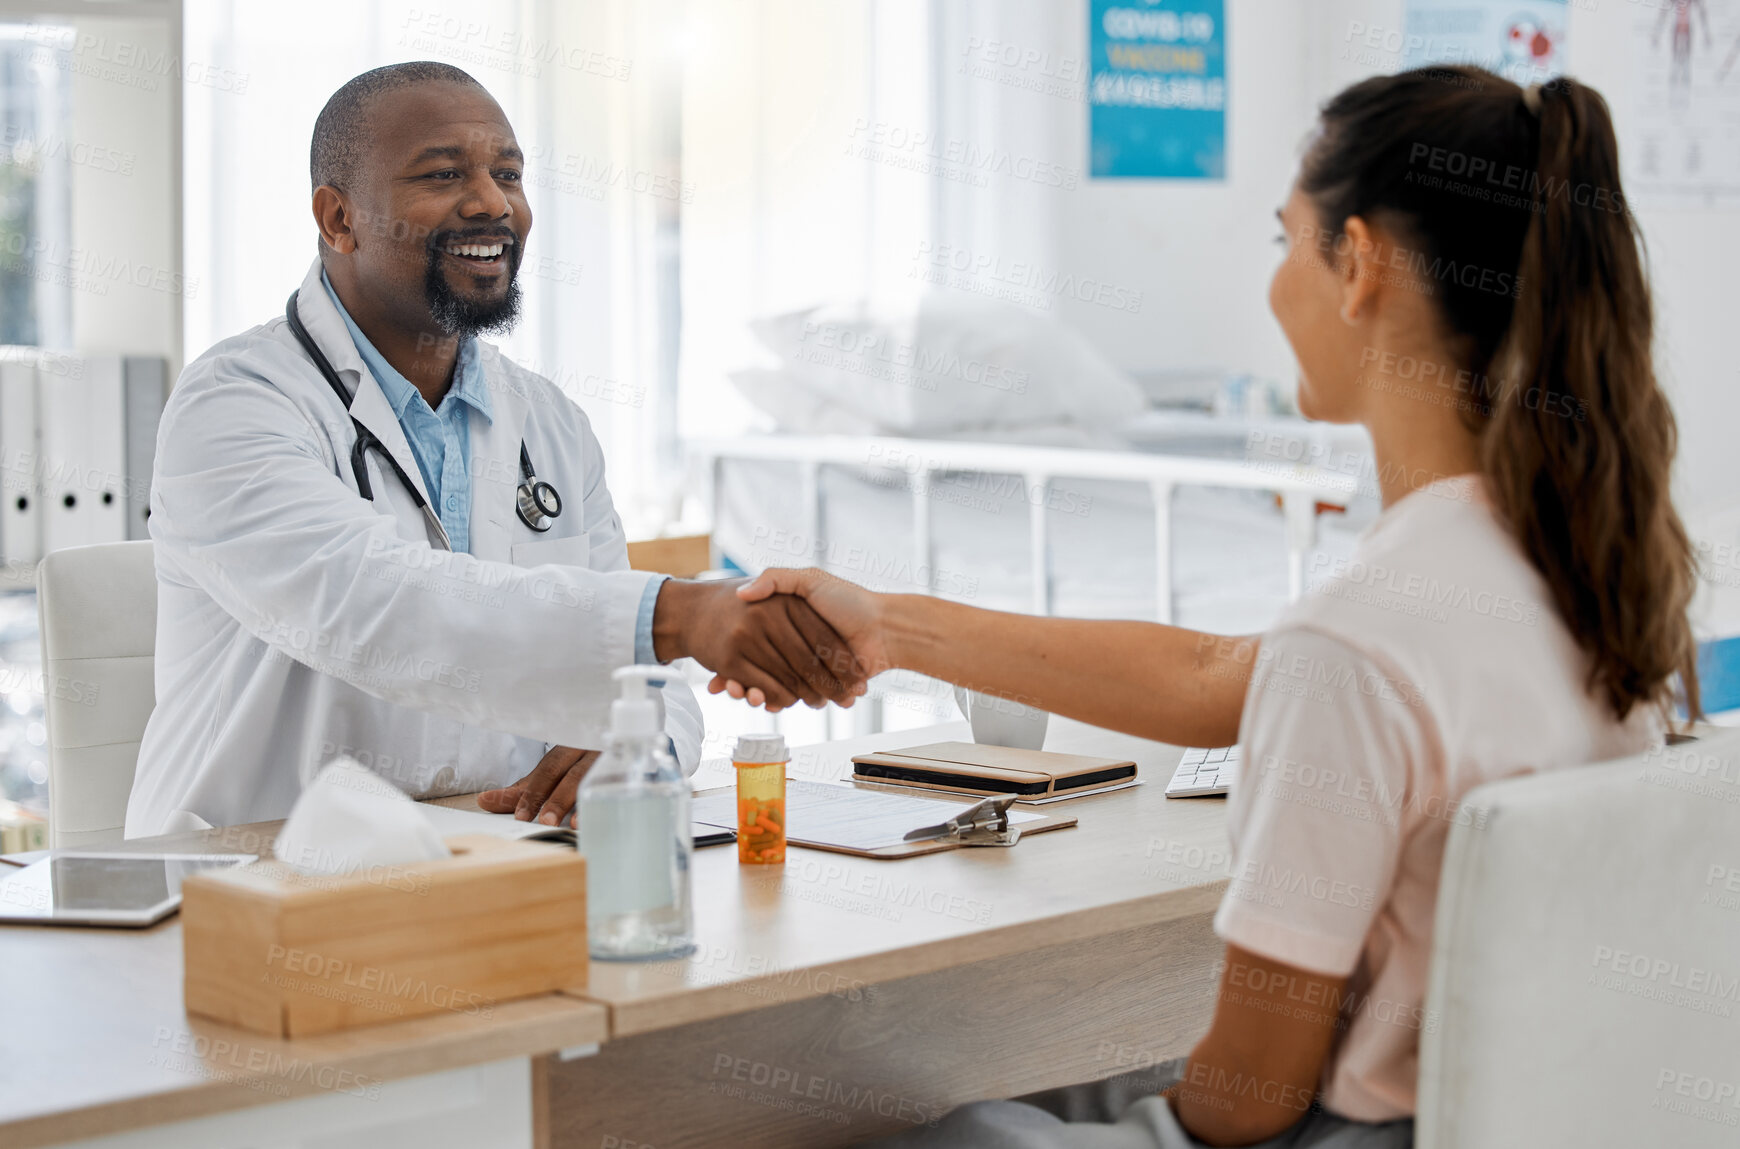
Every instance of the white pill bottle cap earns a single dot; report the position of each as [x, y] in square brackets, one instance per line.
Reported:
[760, 748]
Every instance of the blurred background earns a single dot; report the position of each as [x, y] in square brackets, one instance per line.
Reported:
[961, 297]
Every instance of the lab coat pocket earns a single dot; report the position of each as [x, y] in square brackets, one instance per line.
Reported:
[573, 551]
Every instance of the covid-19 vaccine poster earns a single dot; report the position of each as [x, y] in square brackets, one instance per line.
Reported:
[1157, 89]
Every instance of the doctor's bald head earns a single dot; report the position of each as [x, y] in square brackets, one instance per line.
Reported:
[417, 194]
[341, 131]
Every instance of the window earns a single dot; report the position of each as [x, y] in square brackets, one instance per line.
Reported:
[35, 146]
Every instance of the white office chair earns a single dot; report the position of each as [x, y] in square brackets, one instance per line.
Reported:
[97, 608]
[1564, 924]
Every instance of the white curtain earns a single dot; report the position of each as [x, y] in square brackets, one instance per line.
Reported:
[795, 201]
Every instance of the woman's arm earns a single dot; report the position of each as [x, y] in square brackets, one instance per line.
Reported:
[1256, 1070]
[1142, 678]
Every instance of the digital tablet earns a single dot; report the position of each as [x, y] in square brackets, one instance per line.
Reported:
[87, 888]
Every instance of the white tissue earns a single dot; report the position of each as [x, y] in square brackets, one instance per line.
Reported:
[350, 819]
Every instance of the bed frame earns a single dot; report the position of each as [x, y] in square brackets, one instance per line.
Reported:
[1301, 488]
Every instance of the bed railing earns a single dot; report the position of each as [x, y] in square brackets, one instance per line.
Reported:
[1300, 488]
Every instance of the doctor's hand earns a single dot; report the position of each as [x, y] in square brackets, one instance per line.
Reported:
[548, 793]
[779, 647]
[859, 616]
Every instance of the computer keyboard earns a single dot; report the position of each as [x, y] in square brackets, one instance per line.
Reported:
[1203, 773]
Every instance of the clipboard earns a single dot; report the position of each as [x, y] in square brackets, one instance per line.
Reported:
[876, 822]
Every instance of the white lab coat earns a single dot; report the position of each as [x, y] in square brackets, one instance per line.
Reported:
[297, 621]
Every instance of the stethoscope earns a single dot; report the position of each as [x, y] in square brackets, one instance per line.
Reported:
[537, 502]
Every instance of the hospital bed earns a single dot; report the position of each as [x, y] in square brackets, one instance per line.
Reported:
[967, 448]
[1173, 523]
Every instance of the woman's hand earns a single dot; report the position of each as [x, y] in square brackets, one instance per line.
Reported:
[1141, 678]
[857, 614]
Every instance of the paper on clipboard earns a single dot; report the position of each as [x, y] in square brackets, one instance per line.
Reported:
[846, 818]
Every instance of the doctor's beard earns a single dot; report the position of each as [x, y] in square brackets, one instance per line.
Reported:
[457, 315]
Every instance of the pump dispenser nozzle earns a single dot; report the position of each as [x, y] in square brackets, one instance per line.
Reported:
[636, 714]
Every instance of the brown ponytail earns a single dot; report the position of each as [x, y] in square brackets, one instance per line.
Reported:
[1576, 437]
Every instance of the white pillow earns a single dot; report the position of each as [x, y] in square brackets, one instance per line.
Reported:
[797, 407]
[948, 362]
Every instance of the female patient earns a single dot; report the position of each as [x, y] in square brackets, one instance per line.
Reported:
[1520, 603]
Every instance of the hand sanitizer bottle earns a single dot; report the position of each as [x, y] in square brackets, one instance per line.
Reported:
[635, 833]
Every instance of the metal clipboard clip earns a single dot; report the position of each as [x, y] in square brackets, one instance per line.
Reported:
[984, 824]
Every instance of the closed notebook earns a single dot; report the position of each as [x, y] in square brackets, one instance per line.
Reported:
[969, 768]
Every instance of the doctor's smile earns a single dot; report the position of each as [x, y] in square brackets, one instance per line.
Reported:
[484, 254]
[359, 468]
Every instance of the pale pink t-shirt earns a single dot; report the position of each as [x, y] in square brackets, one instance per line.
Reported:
[1430, 662]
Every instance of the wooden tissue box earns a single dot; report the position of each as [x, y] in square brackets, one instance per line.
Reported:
[271, 949]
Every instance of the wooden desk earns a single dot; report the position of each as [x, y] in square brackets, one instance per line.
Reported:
[95, 1040]
[832, 1000]
[845, 997]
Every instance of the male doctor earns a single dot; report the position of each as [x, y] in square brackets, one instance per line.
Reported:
[434, 580]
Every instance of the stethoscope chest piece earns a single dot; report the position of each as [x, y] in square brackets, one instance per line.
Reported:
[537, 501]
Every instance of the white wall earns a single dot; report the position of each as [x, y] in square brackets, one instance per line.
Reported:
[781, 97]
[1198, 252]
[1204, 251]
[1691, 250]
[779, 215]
[1201, 253]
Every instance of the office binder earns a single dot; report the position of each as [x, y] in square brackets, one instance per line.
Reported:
[20, 495]
[146, 384]
[83, 455]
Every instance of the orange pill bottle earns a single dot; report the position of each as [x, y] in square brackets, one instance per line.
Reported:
[760, 760]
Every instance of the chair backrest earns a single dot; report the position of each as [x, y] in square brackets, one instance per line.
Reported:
[1585, 978]
[97, 607]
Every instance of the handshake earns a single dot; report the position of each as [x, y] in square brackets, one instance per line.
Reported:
[785, 637]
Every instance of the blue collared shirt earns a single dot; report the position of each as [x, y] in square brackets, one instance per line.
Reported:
[440, 438]
[441, 443]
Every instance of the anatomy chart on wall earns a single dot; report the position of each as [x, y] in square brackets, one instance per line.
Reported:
[1683, 133]
[1523, 40]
